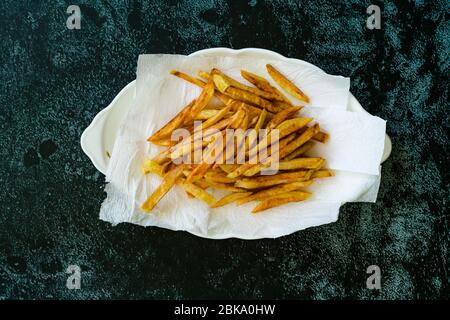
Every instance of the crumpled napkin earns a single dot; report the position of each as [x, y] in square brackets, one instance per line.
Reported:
[354, 152]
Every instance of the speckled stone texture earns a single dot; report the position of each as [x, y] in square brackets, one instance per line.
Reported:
[54, 81]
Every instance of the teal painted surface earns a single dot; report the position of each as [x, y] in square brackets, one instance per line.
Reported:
[54, 81]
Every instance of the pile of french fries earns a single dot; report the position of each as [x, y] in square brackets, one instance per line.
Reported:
[242, 106]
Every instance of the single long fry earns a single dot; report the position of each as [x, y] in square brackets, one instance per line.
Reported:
[169, 180]
[152, 166]
[283, 188]
[280, 199]
[325, 173]
[301, 163]
[300, 151]
[205, 114]
[173, 124]
[166, 142]
[200, 83]
[198, 192]
[188, 78]
[204, 75]
[286, 84]
[321, 137]
[201, 101]
[267, 181]
[230, 198]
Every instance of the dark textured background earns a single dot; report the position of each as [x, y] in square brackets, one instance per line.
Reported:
[54, 81]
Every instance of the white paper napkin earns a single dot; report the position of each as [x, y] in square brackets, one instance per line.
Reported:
[354, 151]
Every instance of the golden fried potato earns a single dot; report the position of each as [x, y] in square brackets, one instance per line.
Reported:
[267, 181]
[169, 180]
[173, 124]
[230, 198]
[300, 140]
[300, 151]
[325, 173]
[188, 78]
[280, 199]
[321, 137]
[152, 166]
[265, 85]
[201, 101]
[286, 84]
[198, 193]
[283, 115]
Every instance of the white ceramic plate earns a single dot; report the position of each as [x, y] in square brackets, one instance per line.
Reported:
[97, 141]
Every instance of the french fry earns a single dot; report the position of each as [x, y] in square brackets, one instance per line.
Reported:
[221, 84]
[214, 151]
[198, 193]
[201, 101]
[163, 142]
[294, 164]
[303, 138]
[218, 177]
[188, 78]
[325, 173]
[264, 85]
[204, 75]
[266, 161]
[231, 82]
[237, 118]
[267, 181]
[300, 151]
[206, 114]
[173, 124]
[286, 84]
[253, 135]
[228, 168]
[301, 163]
[201, 184]
[282, 104]
[284, 129]
[283, 115]
[152, 166]
[223, 186]
[216, 118]
[280, 199]
[278, 189]
[225, 99]
[321, 137]
[230, 198]
[169, 180]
